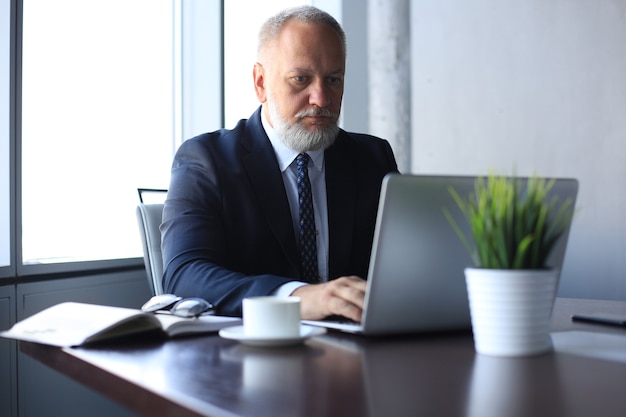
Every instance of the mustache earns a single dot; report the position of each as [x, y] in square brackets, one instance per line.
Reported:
[317, 112]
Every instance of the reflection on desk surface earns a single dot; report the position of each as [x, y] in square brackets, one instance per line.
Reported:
[440, 378]
[304, 380]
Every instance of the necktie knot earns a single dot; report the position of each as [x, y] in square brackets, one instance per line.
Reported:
[302, 161]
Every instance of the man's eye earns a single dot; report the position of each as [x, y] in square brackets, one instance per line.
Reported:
[334, 80]
[300, 78]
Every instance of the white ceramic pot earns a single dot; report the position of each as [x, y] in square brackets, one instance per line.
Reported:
[511, 310]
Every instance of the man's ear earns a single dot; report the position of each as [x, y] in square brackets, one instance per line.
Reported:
[259, 82]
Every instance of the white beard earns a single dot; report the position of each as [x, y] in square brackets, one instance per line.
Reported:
[297, 137]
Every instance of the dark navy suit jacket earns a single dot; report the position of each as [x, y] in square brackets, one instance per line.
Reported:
[227, 230]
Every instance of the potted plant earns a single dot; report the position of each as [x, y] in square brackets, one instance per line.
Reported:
[514, 225]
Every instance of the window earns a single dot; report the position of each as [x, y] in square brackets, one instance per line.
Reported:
[97, 123]
[5, 134]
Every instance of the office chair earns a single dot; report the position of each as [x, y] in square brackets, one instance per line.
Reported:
[149, 217]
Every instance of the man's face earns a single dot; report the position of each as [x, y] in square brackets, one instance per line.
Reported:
[301, 82]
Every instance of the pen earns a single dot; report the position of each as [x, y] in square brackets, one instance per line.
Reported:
[608, 319]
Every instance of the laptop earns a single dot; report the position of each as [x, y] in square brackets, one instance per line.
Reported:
[416, 280]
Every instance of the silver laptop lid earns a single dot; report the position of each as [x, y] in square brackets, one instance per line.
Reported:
[416, 281]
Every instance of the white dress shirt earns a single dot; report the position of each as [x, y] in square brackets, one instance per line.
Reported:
[287, 163]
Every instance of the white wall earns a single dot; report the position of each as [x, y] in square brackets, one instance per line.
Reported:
[535, 86]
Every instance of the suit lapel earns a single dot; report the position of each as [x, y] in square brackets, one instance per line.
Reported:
[269, 188]
[341, 197]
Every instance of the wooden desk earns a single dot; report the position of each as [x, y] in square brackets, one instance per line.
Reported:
[342, 375]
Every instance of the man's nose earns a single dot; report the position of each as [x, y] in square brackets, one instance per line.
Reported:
[319, 94]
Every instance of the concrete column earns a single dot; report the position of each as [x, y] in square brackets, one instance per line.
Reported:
[389, 45]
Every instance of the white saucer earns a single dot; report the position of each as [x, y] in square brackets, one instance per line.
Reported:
[236, 333]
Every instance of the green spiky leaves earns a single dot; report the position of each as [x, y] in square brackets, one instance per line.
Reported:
[512, 227]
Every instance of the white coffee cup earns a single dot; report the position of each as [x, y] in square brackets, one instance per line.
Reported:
[271, 317]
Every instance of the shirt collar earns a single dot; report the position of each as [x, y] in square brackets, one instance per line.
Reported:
[284, 154]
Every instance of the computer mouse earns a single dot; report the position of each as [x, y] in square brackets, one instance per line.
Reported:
[160, 302]
[192, 307]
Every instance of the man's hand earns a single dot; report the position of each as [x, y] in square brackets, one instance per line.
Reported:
[342, 297]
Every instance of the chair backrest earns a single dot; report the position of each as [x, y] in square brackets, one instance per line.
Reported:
[150, 217]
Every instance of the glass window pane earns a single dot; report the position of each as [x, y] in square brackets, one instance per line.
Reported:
[97, 123]
[5, 174]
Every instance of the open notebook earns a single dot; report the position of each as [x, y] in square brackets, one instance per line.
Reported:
[76, 324]
[416, 281]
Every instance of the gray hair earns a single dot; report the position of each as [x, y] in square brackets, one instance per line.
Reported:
[308, 14]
